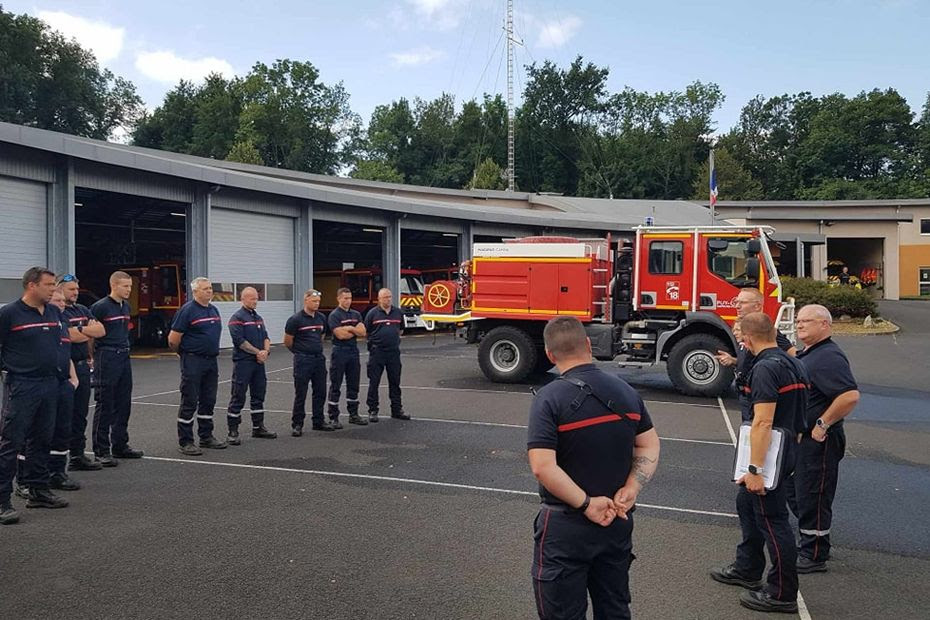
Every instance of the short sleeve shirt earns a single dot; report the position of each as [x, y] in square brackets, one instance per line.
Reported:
[201, 327]
[830, 376]
[246, 326]
[78, 316]
[592, 444]
[344, 318]
[778, 378]
[308, 331]
[115, 316]
[384, 327]
[30, 341]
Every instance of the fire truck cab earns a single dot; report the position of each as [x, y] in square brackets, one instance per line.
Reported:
[667, 295]
[365, 284]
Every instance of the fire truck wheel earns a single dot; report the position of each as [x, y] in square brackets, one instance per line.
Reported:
[507, 355]
[693, 368]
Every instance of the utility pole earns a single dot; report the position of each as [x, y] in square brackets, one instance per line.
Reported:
[510, 149]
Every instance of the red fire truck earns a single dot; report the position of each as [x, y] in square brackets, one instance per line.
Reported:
[365, 284]
[667, 295]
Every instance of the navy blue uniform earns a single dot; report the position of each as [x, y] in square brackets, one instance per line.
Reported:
[384, 330]
[248, 375]
[817, 468]
[778, 378]
[113, 393]
[344, 362]
[30, 342]
[573, 556]
[78, 317]
[200, 328]
[64, 411]
[744, 361]
[309, 364]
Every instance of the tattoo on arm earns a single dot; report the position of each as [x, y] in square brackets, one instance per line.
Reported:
[641, 467]
[248, 348]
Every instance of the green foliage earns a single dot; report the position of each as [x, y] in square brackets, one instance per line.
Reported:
[375, 170]
[839, 300]
[488, 175]
[733, 181]
[52, 83]
[245, 152]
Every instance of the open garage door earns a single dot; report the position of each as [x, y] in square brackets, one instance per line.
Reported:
[864, 256]
[22, 235]
[348, 255]
[253, 249]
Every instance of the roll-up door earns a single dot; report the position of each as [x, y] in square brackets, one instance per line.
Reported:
[253, 249]
[22, 233]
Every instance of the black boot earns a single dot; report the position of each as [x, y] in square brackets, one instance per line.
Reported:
[263, 433]
[8, 514]
[63, 482]
[82, 463]
[43, 498]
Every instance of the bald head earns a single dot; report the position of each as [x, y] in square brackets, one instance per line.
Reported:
[249, 297]
[814, 323]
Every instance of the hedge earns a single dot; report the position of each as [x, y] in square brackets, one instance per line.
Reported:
[839, 300]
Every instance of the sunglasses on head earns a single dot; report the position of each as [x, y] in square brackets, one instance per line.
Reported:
[67, 278]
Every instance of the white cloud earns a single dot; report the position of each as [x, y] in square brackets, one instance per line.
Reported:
[438, 14]
[166, 66]
[104, 40]
[558, 32]
[415, 57]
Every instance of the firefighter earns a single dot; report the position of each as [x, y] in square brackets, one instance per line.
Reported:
[346, 326]
[30, 339]
[384, 325]
[749, 300]
[64, 410]
[195, 337]
[82, 329]
[113, 370]
[778, 384]
[834, 394]
[591, 466]
[303, 336]
[251, 348]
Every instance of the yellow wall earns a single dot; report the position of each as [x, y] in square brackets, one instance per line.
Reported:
[912, 257]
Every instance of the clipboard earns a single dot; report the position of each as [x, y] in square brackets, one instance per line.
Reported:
[774, 457]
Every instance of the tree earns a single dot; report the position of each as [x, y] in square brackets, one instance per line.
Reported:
[245, 152]
[376, 170]
[733, 181]
[488, 175]
[51, 83]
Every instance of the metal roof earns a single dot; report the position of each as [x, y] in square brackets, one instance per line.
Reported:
[537, 211]
[821, 204]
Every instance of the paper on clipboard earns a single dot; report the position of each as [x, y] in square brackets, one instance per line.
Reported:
[773, 457]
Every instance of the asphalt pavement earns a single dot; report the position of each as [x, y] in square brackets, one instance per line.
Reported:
[432, 518]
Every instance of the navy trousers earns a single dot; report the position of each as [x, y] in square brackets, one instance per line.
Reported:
[380, 360]
[199, 375]
[811, 491]
[573, 557]
[113, 396]
[248, 377]
[309, 371]
[26, 426]
[79, 410]
[344, 363]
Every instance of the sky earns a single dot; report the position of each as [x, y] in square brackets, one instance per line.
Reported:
[382, 50]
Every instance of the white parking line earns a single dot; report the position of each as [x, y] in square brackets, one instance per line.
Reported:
[448, 485]
[135, 398]
[726, 418]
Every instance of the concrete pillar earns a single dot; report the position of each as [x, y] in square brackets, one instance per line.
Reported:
[390, 257]
[60, 218]
[303, 254]
[891, 278]
[819, 261]
[799, 248]
[466, 239]
[197, 234]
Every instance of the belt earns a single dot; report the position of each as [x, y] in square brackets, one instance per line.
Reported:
[209, 357]
[114, 349]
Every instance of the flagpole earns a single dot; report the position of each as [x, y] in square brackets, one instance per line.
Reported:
[712, 174]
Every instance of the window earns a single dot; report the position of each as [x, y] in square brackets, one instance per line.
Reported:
[666, 257]
[280, 292]
[925, 226]
[224, 291]
[726, 257]
[410, 285]
[358, 284]
[924, 280]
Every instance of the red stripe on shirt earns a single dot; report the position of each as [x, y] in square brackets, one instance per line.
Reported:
[793, 386]
[209, 319]
[124, 317]
[313, 327]
[603, 419]
[30, 325]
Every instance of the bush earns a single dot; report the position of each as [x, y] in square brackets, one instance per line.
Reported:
[839, 300]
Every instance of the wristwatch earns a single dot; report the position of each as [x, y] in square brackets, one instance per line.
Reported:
[823, 425]
[756, 471]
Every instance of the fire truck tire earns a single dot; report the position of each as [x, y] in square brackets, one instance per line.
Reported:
[507, 355]
[693, 368]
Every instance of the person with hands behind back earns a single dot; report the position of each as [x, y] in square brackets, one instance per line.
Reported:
[592, 446]
[778, 385]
